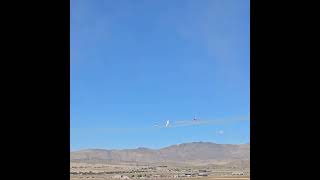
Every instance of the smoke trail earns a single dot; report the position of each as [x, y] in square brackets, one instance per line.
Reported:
[168, 124]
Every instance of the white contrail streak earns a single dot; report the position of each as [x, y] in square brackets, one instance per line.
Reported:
[208, 122]
[157, 126]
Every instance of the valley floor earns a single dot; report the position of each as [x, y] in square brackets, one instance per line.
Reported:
[202, 178]
[84, 171]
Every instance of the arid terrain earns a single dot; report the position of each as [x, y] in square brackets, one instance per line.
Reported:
[198, 160]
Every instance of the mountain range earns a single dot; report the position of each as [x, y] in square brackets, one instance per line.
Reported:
[195, 152]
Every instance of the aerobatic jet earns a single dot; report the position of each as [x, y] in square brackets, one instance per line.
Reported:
[167, 124]
[194, 118]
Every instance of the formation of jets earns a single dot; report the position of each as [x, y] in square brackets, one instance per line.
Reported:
[196, 121]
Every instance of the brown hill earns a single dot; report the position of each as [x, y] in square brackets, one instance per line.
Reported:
[196, 152]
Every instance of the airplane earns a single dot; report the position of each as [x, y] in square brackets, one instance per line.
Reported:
[177, 122]
[167, 124]
[195, 121]
[194, 118]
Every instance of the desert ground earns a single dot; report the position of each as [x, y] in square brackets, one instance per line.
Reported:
[162, 172]
[197, 160]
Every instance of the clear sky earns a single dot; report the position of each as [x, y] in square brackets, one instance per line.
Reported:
[135, 63]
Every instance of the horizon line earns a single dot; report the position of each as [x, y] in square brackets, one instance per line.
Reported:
[159, 148]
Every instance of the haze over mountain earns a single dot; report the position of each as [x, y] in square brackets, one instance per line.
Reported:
[195, 152]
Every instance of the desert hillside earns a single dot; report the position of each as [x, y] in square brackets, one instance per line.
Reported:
[196, 152]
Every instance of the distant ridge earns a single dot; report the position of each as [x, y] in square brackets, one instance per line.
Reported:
[194, 152]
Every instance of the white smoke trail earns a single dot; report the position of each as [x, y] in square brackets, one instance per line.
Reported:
[173, 124]
[209, 122]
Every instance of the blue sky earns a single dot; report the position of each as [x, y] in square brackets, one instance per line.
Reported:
[139, 62]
